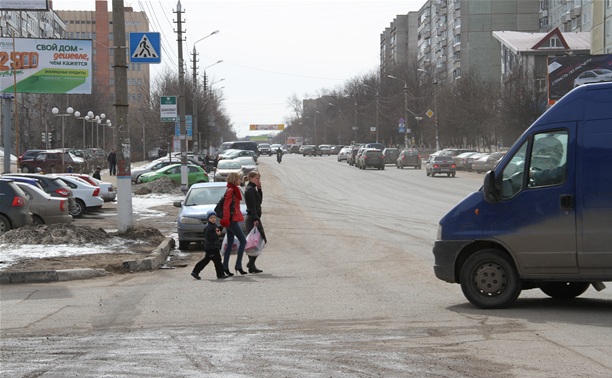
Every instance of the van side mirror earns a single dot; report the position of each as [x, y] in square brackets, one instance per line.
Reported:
[489, 191]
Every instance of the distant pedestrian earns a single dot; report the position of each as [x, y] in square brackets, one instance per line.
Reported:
[96, 173]
[211, 248]
[112, 162]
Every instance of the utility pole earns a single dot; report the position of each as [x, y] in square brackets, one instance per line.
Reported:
[195, 132]
[122, 147]
[181, 98]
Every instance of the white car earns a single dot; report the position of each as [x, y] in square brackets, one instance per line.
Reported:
[343, 153]
[87, 196]
[593, 76]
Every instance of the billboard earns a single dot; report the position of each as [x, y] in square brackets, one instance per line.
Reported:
[59, 66]
[267, 127]
[567, 72]
[25, 5]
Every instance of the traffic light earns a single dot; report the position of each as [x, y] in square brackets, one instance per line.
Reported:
[50, 137]
[44, 138]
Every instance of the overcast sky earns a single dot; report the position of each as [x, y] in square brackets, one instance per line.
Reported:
[270, 49]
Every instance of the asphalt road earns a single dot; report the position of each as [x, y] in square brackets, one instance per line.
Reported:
[348, 290]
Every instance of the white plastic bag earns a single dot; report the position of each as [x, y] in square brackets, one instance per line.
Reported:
[234, 246]
[254, 243]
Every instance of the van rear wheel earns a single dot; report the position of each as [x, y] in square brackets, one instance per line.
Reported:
[490, 280]
[564, 290]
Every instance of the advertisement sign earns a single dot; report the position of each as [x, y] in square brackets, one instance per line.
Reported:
[59, 66]
[567, 72]
[25, 5]
[167, 108]
[267, 127]
[188, 127]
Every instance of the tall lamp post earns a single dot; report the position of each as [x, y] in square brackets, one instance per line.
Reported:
[108, 124]
[77, 115]
[405, 108]
[68, 113]
[340, 110]
[434, 114]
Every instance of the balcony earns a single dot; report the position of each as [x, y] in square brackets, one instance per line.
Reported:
[575, 12]
[566, 18]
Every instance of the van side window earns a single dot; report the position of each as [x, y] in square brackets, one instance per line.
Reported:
[513, 173]
[547, 166]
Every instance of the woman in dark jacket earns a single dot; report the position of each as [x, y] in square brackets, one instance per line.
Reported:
[253, 195]
[231, 217]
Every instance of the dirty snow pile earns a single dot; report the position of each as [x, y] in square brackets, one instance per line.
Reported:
[162, 185]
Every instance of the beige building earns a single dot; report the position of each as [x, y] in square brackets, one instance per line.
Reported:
[98, 26]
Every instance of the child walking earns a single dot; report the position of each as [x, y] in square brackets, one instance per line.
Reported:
[211, 248]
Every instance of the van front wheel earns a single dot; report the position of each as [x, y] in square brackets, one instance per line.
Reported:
[490, 280]
[564, 290]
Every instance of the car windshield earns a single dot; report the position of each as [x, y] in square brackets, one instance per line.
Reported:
[228, 164]
[246, 160]
[205, 196]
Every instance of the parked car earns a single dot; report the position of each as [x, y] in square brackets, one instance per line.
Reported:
[86, 196]
[455, 151]
[152, 167]
[378, 146]
[239, 145]
[351, 156]
[51, 184]
[195, 174]
[409, 158]
[479, 164]
[343, 153]
[200, 199]
[27, 155]
[492, 161]
[593, 76]
[14, 206]
[294, 149]
[50, 161]
[225, 167]
[324, 149]
[44, 208]
[469, 162]
[391, 155]
[371, 157]
[107, 191]
[440, 164]
[335, 149]
[310, 150]
[461, 159]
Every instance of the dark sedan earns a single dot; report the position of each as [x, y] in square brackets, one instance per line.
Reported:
[440, 164]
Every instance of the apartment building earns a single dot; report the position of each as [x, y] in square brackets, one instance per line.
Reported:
[98, 26]
[455, 36]
[30, 24]
[398, 43]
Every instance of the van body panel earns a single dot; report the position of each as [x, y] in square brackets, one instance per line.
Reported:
[547, 204]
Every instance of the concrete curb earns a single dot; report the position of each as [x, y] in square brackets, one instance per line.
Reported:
[153, 261]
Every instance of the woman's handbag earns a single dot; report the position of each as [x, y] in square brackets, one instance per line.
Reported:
[254, 243]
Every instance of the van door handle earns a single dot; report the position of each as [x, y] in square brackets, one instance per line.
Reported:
[566, 202]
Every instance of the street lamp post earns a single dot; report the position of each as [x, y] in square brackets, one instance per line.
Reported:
[68, 113]
[405, 108]
[435, 110]
[340, 110]
[417, 118]
[108, 124]
[315, 127]
[77, 115]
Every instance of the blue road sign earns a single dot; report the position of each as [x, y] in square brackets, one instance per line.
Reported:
[145, 47]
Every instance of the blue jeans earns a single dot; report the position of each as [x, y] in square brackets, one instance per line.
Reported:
[234, 230]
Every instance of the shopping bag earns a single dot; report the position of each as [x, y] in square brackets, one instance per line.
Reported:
[254, 243]
[234, 246]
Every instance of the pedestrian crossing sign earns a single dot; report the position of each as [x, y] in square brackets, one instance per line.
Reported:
[145, 47]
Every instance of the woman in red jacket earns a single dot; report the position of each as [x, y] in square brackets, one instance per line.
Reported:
[231, 216]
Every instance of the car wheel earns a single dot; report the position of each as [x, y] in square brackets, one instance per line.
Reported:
[432, 174]
[5, 224]
[79, 208]
[490, 280]
[183, 245]
[37, 219]
[25, 169]
[564, 290]
[427, 172]
[383, 168]
[453, 174]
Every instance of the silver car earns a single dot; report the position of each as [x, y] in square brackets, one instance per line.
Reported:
[225, 167]
[200, 199]
[44, 208]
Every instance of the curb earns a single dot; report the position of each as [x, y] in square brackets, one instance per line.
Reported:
[153, 261]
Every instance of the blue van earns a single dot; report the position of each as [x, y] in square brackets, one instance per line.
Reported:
[543, 217]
